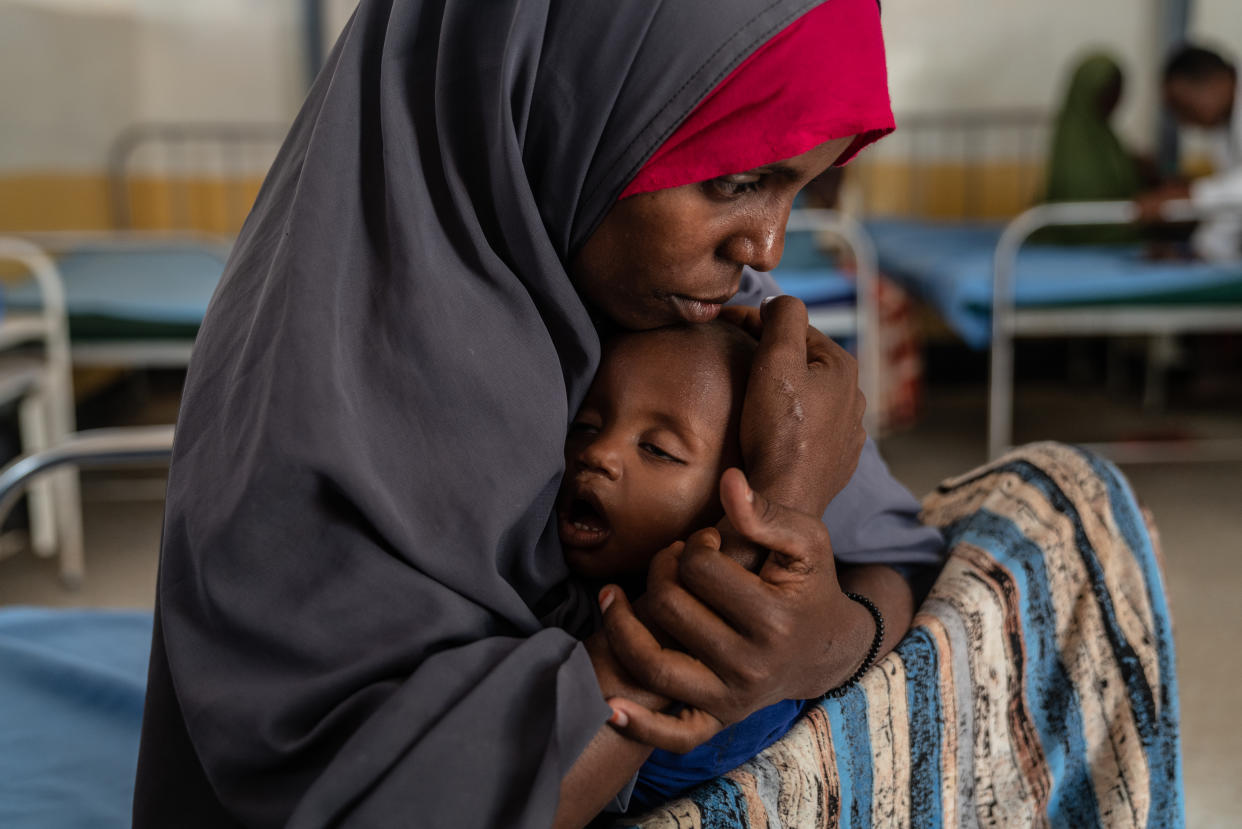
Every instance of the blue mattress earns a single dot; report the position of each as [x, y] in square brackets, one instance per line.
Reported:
[156, 292]
[157, 287]
[950, 267]
[71, 691]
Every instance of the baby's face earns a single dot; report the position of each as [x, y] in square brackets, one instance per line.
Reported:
[646, 451]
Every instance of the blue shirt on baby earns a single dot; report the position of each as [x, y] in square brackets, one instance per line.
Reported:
[666, 775]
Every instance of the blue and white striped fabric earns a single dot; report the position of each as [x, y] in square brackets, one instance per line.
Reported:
[1037, 687]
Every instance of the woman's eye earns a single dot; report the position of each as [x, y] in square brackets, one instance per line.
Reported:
[736, 184]
[580, 428]
[652, 449]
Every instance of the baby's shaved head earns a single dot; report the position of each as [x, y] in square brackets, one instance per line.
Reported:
[718, 338]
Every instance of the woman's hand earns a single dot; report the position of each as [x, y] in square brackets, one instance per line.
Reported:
[801, 429]
[749, 639]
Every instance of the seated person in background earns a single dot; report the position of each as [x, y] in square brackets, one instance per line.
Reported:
[643, 466]
[1201, 88]
[1088, 161]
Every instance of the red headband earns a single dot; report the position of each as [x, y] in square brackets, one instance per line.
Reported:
[822, 77]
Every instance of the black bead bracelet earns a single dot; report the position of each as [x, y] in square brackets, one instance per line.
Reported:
[872, 653]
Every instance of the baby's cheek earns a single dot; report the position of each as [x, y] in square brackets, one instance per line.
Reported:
[677, 511]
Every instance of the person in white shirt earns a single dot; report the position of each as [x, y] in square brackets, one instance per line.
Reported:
[1202, 90]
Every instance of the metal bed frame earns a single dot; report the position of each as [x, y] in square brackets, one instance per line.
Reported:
[137, 353]
[961, 136]
[42, 386]
[1010, 322]
[225, 152]
[220, 149]
[127, 445]
[862, 321]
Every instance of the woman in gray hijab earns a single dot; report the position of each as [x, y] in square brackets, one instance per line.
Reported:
[363, 617]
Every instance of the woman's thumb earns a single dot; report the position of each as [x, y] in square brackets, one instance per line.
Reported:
[788, 535]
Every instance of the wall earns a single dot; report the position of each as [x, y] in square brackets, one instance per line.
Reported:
[986, 54]
[220, 60]
[74, 73]
[1218, 23]
[77, 71]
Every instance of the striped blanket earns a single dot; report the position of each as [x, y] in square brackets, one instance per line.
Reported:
[1036, 687]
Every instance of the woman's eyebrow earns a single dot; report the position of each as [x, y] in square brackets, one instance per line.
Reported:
[782, 170]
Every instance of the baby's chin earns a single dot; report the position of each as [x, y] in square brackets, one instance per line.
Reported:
[597, 568]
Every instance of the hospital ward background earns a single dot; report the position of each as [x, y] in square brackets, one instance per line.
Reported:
[996, 286]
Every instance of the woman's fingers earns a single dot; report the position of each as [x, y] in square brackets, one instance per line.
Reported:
[750, 320]
[785, 328]
[744, 317]
[822, 349]
[703, 615]
[798, 544]
[681, 732]
[664, 671]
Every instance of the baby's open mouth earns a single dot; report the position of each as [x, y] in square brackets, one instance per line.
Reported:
[582, 524]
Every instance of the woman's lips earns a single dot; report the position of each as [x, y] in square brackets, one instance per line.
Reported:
[696, 310]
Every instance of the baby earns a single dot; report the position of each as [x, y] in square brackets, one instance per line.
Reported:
[643, 461]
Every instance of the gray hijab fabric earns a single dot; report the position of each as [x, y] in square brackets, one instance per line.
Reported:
[363, 618]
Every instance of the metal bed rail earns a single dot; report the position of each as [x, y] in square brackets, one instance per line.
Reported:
[969, 138]
[45, 405]
[229, 153]
[864, 322]
[1010, 322]
[126, 445]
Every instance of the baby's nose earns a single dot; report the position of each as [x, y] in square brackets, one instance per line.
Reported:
[601, 457]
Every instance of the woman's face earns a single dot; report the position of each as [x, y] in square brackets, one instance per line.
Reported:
[677, 254]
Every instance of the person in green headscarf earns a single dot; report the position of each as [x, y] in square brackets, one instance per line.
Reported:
[1088, 161]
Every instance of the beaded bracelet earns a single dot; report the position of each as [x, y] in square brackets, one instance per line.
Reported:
[872, 653]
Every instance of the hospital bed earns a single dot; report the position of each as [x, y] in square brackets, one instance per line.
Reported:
[991, 287]
[35, 375]
[130, 297]
[73, 680]
[133, 299]
[178, 194]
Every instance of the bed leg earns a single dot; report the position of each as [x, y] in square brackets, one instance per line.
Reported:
[68, 491]
[33, 428]
[1161, 356]
[1000, 397]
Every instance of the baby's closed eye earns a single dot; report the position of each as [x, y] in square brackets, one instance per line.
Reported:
[658, 452]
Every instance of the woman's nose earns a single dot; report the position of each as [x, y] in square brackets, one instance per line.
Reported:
[760, 240]
[602, 455]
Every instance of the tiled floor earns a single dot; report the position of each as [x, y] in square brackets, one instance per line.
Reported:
[1198, 508]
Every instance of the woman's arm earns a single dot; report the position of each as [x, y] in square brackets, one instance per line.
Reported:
[891, 593]
[612, 758]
